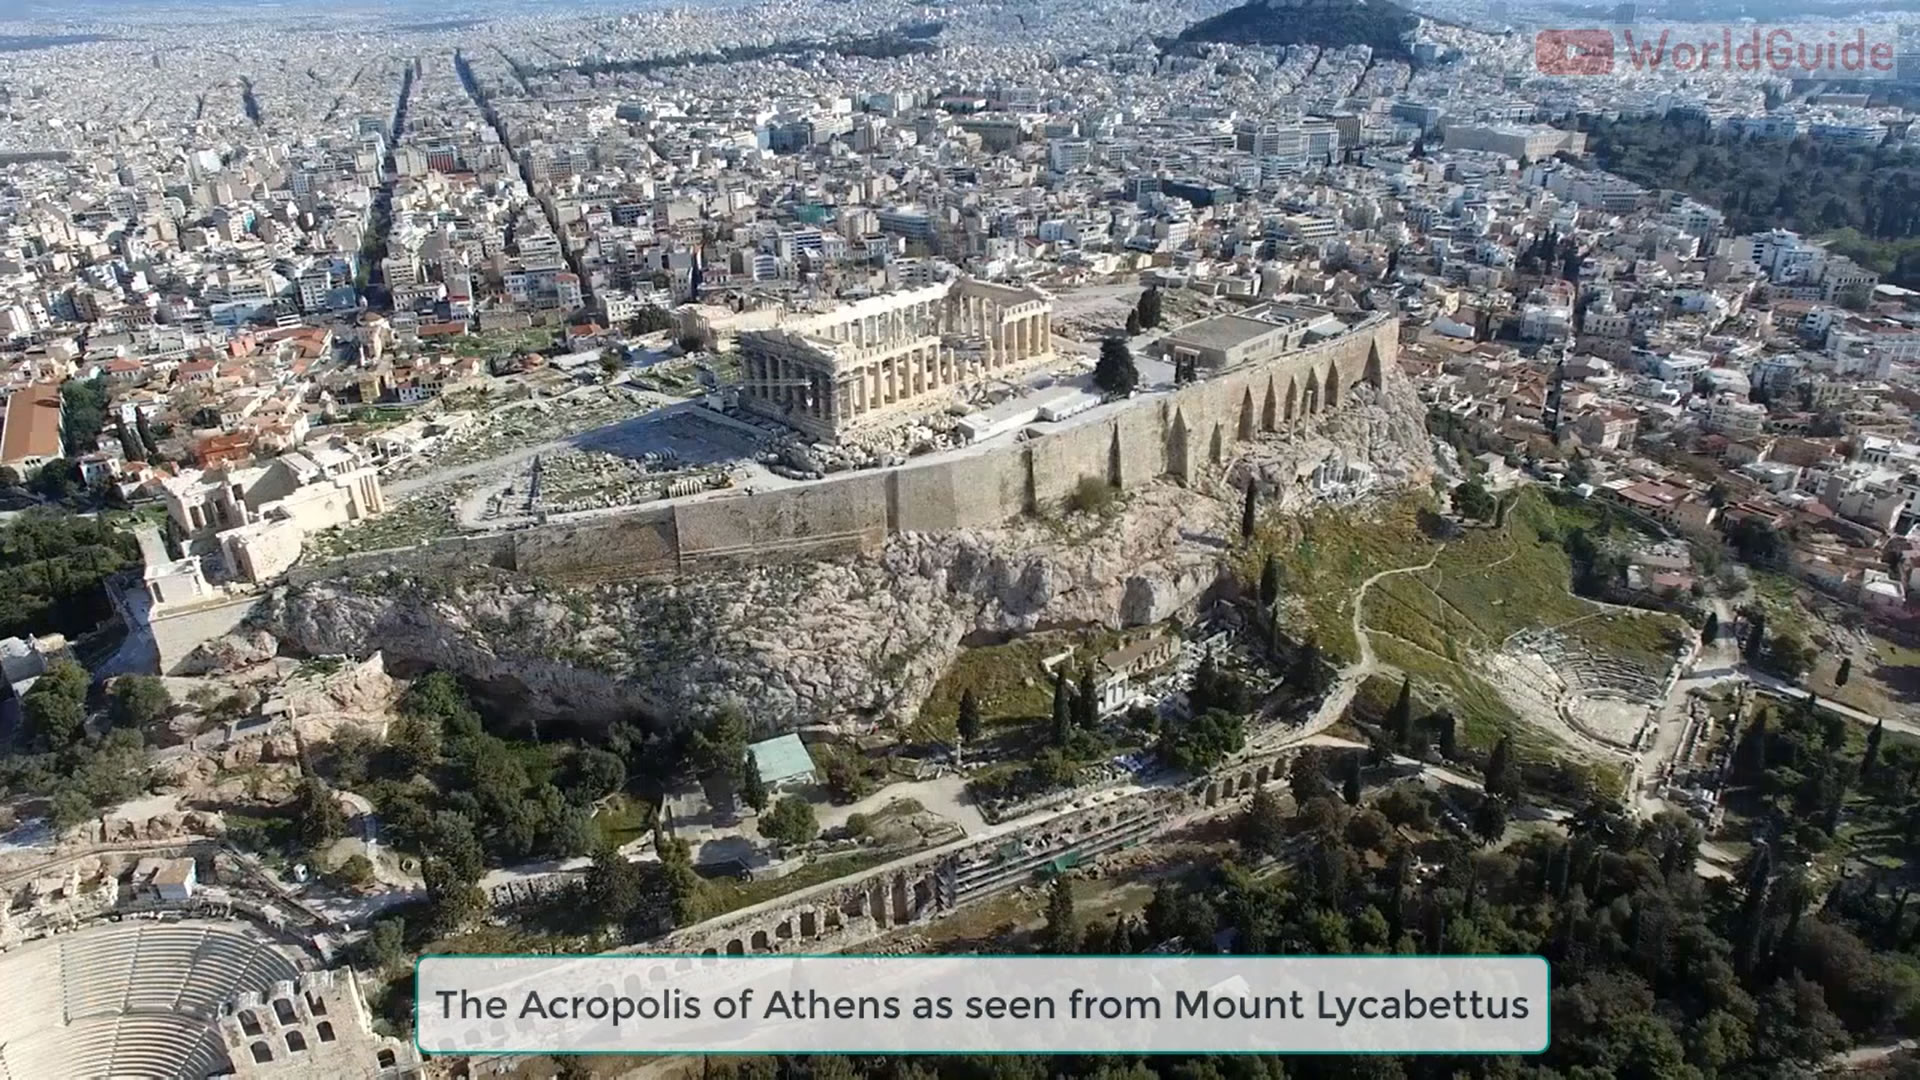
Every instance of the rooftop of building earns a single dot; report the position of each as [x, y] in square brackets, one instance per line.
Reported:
[32, 425]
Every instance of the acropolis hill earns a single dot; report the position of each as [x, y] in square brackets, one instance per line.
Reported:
[848, 597]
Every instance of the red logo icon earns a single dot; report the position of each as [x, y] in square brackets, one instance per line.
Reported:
[1573, 52]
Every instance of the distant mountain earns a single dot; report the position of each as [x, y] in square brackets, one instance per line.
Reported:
[1330, 24]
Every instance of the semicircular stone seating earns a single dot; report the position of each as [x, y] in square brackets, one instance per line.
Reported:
[129, 1001]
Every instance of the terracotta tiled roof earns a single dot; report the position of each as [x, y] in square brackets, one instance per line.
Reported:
[33, 424]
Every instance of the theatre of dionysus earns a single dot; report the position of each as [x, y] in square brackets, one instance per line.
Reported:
[881, 360]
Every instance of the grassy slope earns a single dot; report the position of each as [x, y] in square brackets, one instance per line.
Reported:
[1324, 557]
[1483, 588]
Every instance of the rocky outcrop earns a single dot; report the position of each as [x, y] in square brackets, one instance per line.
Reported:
[853, 639]
[227, 652]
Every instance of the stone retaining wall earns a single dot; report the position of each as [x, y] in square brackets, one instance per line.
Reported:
[1175, 435]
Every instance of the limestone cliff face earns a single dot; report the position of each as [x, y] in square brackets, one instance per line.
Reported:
[862, 638]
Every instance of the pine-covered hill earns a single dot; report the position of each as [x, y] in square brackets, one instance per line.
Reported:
[1382, 25]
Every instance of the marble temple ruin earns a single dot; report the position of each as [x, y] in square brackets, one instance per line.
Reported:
[883, 359]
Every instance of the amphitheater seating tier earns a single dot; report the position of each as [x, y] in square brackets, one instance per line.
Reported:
[95, 969]
[130, 1001]
[36, 965]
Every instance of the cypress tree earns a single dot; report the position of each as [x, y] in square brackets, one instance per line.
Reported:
[1841, 676]
[1751, 755]
[1062, 934]
[1350, 790]
[1756, 638]
[1400, 717]
[1062, 708]
[1249, 513]
[1872, 755]
[1269, 581]
[1086, 702]
[753, 790]
[1499, 776]
[1444, 734]
[1752, 909]
[969, 720]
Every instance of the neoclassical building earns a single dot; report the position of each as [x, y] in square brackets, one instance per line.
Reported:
[886, 358]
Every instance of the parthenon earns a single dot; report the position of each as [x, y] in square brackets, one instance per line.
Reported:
[882, 359]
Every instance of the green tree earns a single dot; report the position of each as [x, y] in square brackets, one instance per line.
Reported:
[138, 701]
[1307, 672]
[144, 428]
[348, 755]
[1490, 819]
[1710, 630]
[1306, 779]
[354, 872]
[453, 903]
[317, 814]
[753, 789]
[718, 748]
[593, 775]
[683, 885]
[1062, 728]
[1844, 672]
[1350, 789]
[968, 722]
[1262, 827]
[70, 807]
[1400, 715]
[1872, 753]
[1756, 636]
[1133, 324]
[84, 413]
[1750, 756]
[1202, 741]
[614, 889]
[1086, 701]
[385, 945]
[1472, 500]
[1250, 510]
[1269, 581]
[1114, 373]
[1061, 937]
[57, 481]
[414, 742]
[790, 823]
[452, 841]
[1442, 724]
[1501, 779]
[55, 708]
